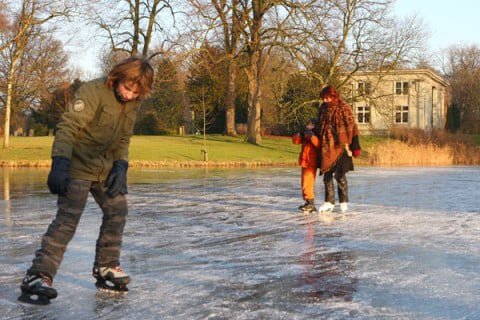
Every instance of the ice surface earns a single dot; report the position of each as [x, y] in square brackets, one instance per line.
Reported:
[229, 244]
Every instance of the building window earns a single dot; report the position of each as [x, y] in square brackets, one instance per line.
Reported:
[364, 88]
[401, 114]
[363, 114]
[401, 87]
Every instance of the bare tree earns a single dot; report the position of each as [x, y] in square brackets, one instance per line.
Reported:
[219, 22]
[229, 21]
[286, 91]
[353, 35]
[130, 26]
[339, 38]
[263, 26]
[40, 71]
[253, 24]
[344, 35]
[462, 69]
[3, 18]
[31, 15]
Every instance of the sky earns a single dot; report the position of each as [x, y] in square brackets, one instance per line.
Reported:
[449, 22]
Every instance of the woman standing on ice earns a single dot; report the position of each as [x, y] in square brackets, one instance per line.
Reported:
[338, 135]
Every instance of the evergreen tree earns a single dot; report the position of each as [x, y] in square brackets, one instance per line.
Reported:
[206, 88]
[164, 111]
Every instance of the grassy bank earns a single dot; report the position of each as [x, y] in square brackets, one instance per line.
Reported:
[171, 151]
[185, 151]
[476, 138]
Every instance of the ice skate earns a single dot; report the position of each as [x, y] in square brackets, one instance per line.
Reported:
[343, 207]
[326, 207]
[111, 279]
[308, 207]
[37, 289]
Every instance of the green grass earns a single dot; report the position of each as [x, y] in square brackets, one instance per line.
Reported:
[170, 148]
[27, 148]
[219, 148]
[476, 138]
[179, 149]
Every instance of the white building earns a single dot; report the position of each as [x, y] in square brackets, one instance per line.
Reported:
[408, 98]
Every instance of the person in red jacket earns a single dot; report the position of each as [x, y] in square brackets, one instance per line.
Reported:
[308, 161]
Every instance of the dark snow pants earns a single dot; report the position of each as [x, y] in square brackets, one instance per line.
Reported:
[61, 230]
[342, 187]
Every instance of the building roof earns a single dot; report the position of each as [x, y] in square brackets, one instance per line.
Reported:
[427, 72]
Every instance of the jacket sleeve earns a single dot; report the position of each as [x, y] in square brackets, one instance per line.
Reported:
[315, 142]
[121, 153]
[79, 113]
[121, 150]
[297, 138]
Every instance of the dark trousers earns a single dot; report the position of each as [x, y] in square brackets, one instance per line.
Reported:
[61, 230]
[342, 186]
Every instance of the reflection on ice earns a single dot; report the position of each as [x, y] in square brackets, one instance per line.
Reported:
[6, 198]
[225, 244]
[326, 274]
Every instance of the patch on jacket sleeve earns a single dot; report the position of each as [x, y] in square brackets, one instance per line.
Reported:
[78, 105]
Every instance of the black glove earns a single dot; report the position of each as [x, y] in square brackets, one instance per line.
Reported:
[355, 145]
[308, 134]
[58, 178]
[117, 179]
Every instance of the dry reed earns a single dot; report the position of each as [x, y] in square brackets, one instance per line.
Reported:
[413, 147]
[398, 153]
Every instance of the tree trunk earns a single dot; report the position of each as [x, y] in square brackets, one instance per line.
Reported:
[254, 107]
[136, 28]
[253, 128]
[8, 106]
[254, 73]
[230, 99]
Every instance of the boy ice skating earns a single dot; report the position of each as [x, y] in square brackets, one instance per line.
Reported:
[90, 155]
[308, 161]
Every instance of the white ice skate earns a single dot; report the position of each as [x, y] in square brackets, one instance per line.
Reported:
[111, 279]
[326, 207]
[344, 207]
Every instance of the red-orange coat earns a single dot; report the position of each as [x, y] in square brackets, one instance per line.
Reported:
[309, 154]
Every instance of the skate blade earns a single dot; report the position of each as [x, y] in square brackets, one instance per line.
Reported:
[326, 211]
[34, 299]
[111, 289]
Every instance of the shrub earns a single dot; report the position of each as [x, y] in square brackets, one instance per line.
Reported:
[278, 130]
[40, 129]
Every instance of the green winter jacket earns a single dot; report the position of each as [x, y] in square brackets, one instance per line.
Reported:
[94, 131]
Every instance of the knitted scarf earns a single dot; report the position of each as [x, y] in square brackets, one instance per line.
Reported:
[336, 128]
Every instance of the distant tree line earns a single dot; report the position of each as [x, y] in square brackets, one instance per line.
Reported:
[462, 70]
[252, 67]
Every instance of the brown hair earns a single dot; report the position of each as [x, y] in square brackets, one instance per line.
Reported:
[329, 91]
[135, 69]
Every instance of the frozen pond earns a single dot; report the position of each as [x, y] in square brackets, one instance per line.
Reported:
[229, 244]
